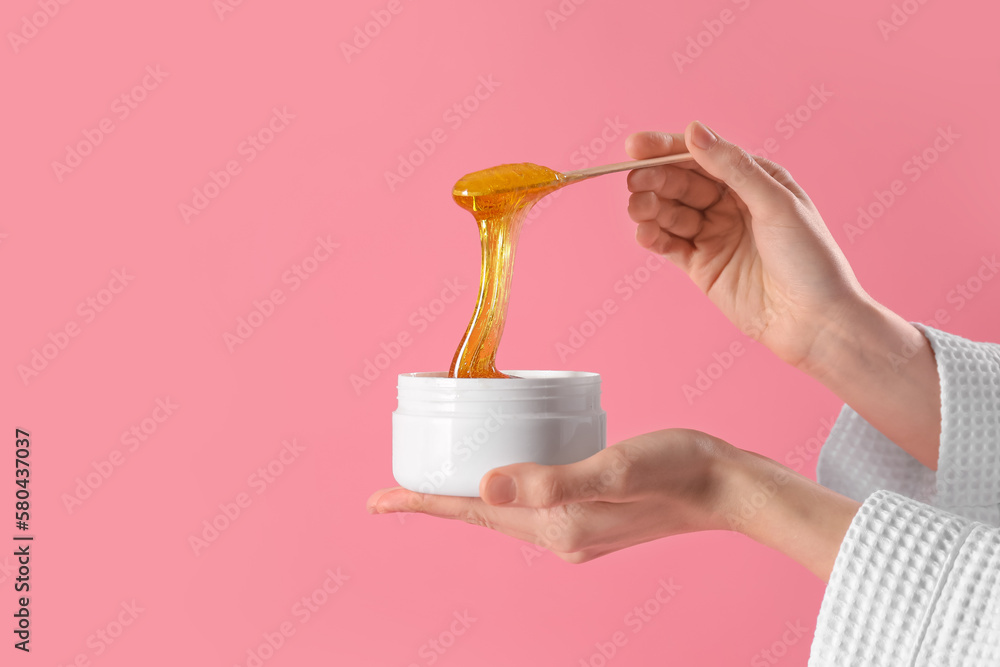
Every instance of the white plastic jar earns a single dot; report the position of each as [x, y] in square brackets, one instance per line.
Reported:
[448, 432]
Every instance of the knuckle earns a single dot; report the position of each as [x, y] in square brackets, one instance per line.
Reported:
[618, 475]
[681, 186]
[781, 174]
[666, 217]
[416, 502]
[778, 173]
[475, 518]
[573, 539]
[574, 558]
[551, 493]
[635, 204]
[744, 164]
[548, 490]
[642, 180]
[782, 201]
[567, 531]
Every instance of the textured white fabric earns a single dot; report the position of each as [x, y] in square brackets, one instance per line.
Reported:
[914, 584]
[857, 460]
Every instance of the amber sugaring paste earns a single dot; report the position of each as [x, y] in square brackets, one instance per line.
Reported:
[499, 198]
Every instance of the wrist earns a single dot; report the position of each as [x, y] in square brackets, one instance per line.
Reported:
[785, 511]
[727, 480]
[884, 368]
[750, 482]
[861, 336]
[842, 334]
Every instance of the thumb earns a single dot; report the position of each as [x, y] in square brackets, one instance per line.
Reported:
[737, 169]
[599, 477]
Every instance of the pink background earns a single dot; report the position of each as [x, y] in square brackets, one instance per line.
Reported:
[162, 336]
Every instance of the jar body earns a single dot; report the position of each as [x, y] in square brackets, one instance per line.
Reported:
[448, 432]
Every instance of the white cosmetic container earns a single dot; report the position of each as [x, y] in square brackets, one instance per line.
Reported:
[448, 432]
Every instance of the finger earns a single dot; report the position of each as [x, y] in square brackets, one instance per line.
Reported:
[644, 145]
[603, 476]
[598, 528]
[677, 250]
[399, 499]
[737, 169]
[373, 499]
[519, 522]
[669, 216]
[679, 220]
[647, 233]
[680, 251]
[643, 206]
[668, 182]
[781, 175]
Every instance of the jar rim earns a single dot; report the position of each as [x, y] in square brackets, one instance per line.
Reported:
[535, 392]
[521, 377]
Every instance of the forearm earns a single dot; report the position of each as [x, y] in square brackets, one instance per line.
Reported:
[884, 368]
[785, 511]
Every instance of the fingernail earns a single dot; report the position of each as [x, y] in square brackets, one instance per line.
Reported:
[702, 137]
[501, 489]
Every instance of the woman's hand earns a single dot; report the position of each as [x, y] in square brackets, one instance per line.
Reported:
[746, 234]
[645, 488]
[752, 240]
[651, 486]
